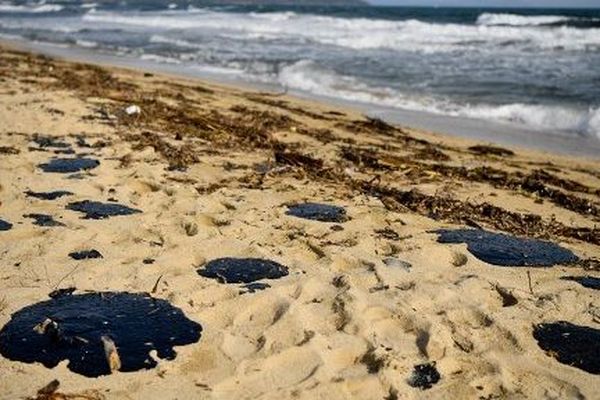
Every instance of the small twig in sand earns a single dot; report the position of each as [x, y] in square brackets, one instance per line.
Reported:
[155, 287]
[66, 276]
[529, 281]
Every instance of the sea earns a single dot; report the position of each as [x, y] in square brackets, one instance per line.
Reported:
[537, 70]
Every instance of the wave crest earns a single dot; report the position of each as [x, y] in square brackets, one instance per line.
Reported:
[491, 19]
[34, 9]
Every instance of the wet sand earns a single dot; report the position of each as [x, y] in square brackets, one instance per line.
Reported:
[360, 302]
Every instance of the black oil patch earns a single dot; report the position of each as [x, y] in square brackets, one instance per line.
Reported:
[424, 376]
[318, 212]
[254, 287]
[98, 210]
[5, 225]
[242, 270]
[49, 141]
[64, 151]
[72, 327]
[61, 292]
[69, 165]
[574, 345]
[85, 254]
[44, 220]
[48, 195]
[507, 250]
[585, 281]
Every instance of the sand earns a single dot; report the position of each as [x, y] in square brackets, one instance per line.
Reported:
[213, 169]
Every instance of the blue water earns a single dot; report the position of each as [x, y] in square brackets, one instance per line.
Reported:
[537, 68]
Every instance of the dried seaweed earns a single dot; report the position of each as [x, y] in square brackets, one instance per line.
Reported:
[296, 159]
[486, 150]
[457, 211]
[285, 105]
[363, 158]
[9, 150]
[178, 157]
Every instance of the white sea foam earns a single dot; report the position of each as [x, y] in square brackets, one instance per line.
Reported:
[159, 59]
[86, 43]
[175, 42]
[552, 118]
[491, 19]
[36, 8]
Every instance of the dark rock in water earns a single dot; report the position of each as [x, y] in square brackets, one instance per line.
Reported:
[4, 225]
[254, 287]
[85, 254]
[44, 220]
[61, 292]
[242, 270]
[48, 195]
[507, 250]
[97, 210]
[49, 141]
[68, 165]
[585, 281]
[424, 376]
[574, 345]
[318, 212]
[78, 327]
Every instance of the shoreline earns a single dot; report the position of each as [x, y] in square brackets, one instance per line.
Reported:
[492, 132]
[363, 298]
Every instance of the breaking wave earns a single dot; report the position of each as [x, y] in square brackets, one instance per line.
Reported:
[490, 19]
[308, 77]
[34, 8]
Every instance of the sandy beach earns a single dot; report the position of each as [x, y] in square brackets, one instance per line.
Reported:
[212, 171]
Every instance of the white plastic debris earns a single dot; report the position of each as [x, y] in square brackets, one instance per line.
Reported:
[133, 110]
